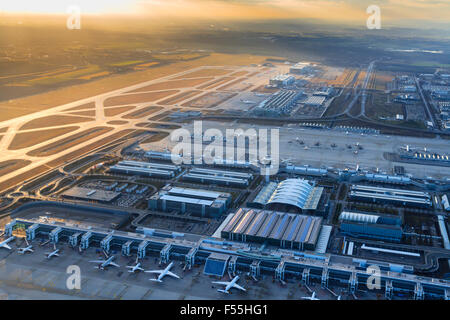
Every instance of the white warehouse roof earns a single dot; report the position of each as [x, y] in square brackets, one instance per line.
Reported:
[358, 217]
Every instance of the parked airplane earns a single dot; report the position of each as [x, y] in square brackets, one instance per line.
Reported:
[163, 273]
[229, 284]
[54, 253]
[313, 297]
[136, 267]
[28, 248]
[4, 243]
[105, 263]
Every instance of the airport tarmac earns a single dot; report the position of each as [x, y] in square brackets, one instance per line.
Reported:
[33, 276]
[15, 126]
[370, 157]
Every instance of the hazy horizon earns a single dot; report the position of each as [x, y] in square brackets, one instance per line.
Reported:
[394, 13]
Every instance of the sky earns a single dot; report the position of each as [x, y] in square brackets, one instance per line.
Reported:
[332, 11]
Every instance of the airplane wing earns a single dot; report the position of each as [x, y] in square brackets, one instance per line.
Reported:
[155, 271]
[6, 246]
[224, 283]
[238, 287]
[114, 264]
[97, 261]
[172, 274]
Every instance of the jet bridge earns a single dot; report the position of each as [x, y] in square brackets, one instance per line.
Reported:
[31, 231]
[418, 291]
[389, 290]
[54, 234]
[279, 271]
[255, 268]
[73, 239]
[353, 282]
[324, 278]
[85, 240]
[232, 265]
[305, 276]
[165, 253]
[126, 248]
[190, 257]
[105, 243]
[142, 249]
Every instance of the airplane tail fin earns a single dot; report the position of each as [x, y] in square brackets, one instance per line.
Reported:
[155, 280]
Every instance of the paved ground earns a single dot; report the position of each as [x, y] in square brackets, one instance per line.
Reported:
[13, 126]
[32, 276]
[340, 156]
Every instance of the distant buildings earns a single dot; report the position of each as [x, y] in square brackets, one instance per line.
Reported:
[315, 101]
[282, 80]
[301, 68]
[280, 103]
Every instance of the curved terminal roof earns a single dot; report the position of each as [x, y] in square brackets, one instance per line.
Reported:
[358, 217]
[293, 192]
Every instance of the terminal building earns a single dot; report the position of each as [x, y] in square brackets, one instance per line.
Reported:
[198, 202]
[387, 195]
[315, 101]
[86, 194]
[220, 177]
[282, 80]
[298, 194]
[293, 231]
[301, 68]
[279, 103]
[158, 170]
[371, 226]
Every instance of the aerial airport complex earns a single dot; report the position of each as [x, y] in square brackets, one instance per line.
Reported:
[347, 198]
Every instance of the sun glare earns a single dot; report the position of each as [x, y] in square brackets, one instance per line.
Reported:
[61, 6]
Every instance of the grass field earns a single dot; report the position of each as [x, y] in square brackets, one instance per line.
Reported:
[12, 165]
[69, 142]
[111, 112]
[51, 121]
[18, 107]
[138, 98]
[29, 139]
[172, 84]
[142, 112]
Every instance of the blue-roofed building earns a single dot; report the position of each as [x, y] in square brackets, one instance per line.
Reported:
[294, 231]
[216, 264]
[371, 226]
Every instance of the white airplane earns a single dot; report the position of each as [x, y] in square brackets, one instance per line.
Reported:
[54, 253]
[229, 284]
[313, 297]
[105, 263]
[4, 243]
[28, 248]
[136, 267]
[163, 273]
